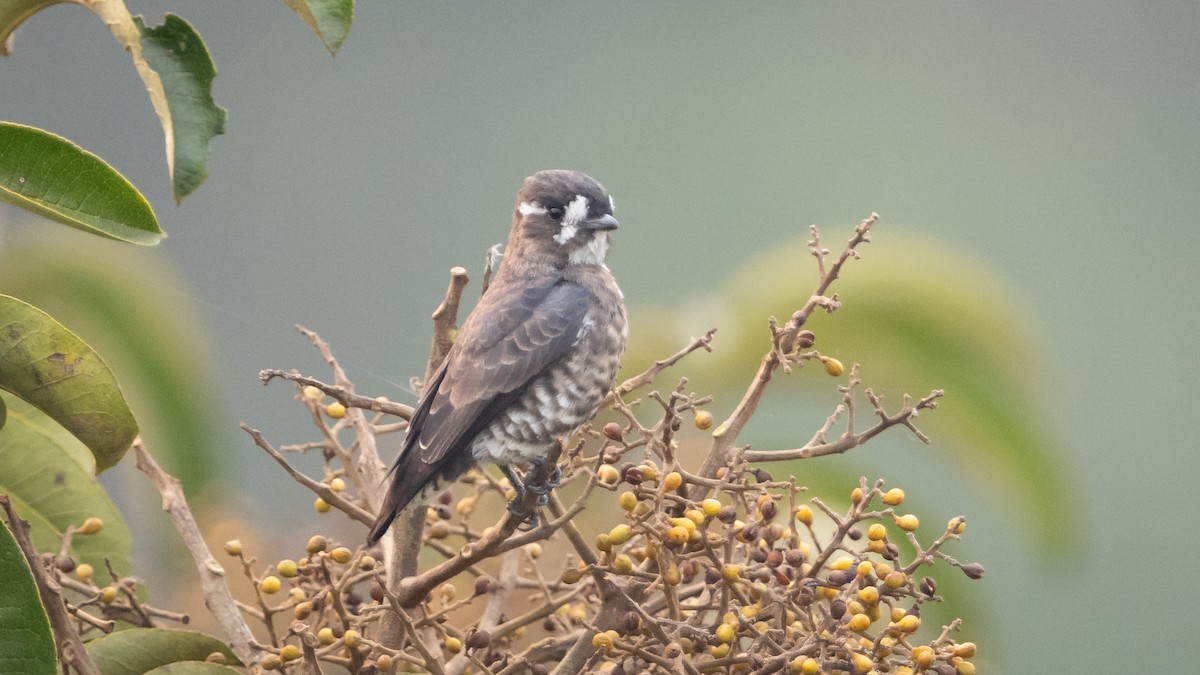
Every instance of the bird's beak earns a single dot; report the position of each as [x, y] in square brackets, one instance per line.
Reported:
[605, 222]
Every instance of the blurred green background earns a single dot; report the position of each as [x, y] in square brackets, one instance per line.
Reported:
[1045, 156]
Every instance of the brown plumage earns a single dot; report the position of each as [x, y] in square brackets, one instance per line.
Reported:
[534, 359]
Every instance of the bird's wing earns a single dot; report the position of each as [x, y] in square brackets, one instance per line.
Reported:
[510, 338]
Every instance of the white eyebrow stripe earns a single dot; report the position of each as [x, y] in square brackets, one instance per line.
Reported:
[531, 208]
[612, 205]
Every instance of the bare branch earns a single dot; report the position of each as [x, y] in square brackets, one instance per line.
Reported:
[217, 597]
[322, 490]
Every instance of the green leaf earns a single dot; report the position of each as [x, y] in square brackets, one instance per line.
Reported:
[166, 370]
[47, 473]
[13, 13]
[177, 53]
[26, 643]
[49, 366]
[140, 650]
[53, 177]
[193, 668]
[329, 19]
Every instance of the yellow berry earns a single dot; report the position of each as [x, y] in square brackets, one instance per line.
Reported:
[233, 547]
[335, 410]
[876, 546]
[861, 662]
[270, 585]
[869, 595]
[876, 532]
[957, 525]
[686, 523]
[677, 535]
[341, 555]
[453, 644]
[731, 572]
[860, 622]
[108, 595]
[90, 526]
[922, 656]
[726, 632]
[627, 500]
[287, 568]
[809, 666]
[271, 662]
[842, 563]
[649, 471]
[366, 563]
[833, 366]
[321, 506]
[909, 623]
[749, 611]
[351, 638]
[710, 507]
[672, 481]
[704, 419]
[325, 636]
[671, 576]
[865, 568]
[302, 610]
[856, 495]
[895, 579]
[694, 515]
[719, 651]
[804, 514]
[964, 668]
[619, 534]
[316, 544]
[602, 641]
[312, 393]
[337, 485]
[907, 522]
[623, 564]
[289, 653]
[84, 571]
[893, 497]
[608, 474]
[297, 594]
[965, 650]
[384, 663]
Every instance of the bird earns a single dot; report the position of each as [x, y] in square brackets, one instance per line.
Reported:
[533, 360]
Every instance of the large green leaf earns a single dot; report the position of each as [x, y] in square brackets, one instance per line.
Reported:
[329, 19]
[917, 316]
[53, 177]
[177, 53]
[49, 366]
[140, 650]
[165, 368]
[26, 643]
[47, 474]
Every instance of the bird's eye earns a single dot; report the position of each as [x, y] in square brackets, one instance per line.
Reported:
[555, 212]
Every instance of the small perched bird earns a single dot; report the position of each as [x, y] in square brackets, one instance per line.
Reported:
[534, 359]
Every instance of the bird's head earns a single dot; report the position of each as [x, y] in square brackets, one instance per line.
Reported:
[563, 217]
